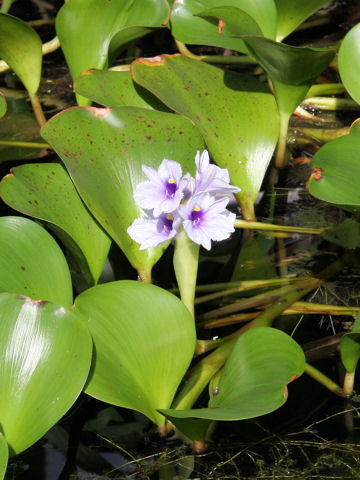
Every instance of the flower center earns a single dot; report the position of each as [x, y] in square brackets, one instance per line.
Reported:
[170, 188]
[168, 223]
[196, 215]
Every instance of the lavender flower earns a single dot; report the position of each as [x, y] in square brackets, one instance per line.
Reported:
[210, 178]
[206, 219]
[177, 199]
[151, 231]
[163, 191]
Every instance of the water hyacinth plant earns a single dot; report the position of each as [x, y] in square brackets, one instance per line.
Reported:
[131, 208]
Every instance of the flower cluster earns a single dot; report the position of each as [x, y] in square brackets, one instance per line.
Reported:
[171, 200]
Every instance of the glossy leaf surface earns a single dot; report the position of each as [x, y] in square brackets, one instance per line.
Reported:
[115, 89]
[45, 191]
[350, 347]
[337, 170]
[45, 356]
[4, 455]
[21, 48]
[144, 341]
[90, 30]
[194, 30]
[3, 105]
[255, 377]
[235, 113]
[104, 149]
[32, 263]
[288, 64]
[349, 62]
[290, 14]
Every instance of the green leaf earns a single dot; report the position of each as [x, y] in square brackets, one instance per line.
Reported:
[236, 115]
[336, 177]
[189, 28]
[115, 89]
[45, 356]
[4, 455]
[349, 62]
[350, 347]
[144, 341]
[21, 48]
[288, 64]
[104, 150]
[255, 377]
[45, 191]
[3, 105]
[291, 14]
[236, 20]
[31, 262]
[90, 30]
[346, 234]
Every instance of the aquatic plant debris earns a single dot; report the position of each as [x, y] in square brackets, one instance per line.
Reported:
[171, 200]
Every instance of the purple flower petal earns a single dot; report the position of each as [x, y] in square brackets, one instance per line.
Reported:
[211, 178]
[163, 191]
[206, 219]
[151, 232]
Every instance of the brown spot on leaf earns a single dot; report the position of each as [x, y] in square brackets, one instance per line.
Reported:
[22, 267]
[292, 378]
[221, 25]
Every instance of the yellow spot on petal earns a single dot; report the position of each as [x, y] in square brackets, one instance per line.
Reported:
[196, 209]
[169, 217]
[171, 180]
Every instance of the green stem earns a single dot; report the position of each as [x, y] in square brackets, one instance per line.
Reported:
[349, 383]
[323, 380]
[331, 103]
[276, 228]
[219, 59]
[186, 261]
[6, 4]
[201, 375]
[7, 143]
[38, 111]
[144, 275]
[280, 153]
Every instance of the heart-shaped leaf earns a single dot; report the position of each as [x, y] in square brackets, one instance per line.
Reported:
[349, 62]
[115, 89]
[45, 356]
[255, 377]
[4, 455]
[144, 341]
[46, 191]
[190, 28]
[291, 14]
[236, 115]
[32, 263]
[21, 48]
[90, 30]
[3, 105]
[104, 150]
[336, 177]
[350, 347]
